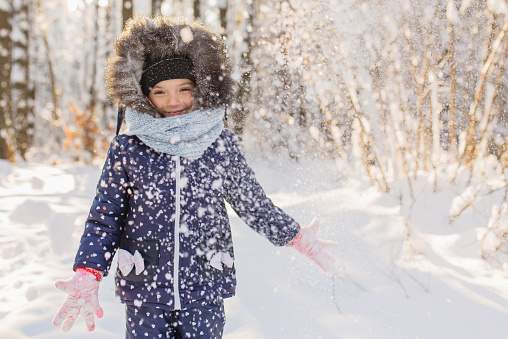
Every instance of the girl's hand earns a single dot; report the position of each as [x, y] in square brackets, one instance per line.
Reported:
[82, 298]
[307, 243]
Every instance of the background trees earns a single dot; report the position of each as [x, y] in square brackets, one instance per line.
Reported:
[394, 88]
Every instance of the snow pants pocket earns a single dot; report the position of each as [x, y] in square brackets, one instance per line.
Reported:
[149, 250]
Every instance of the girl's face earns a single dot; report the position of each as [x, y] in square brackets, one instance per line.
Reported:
[172, 97]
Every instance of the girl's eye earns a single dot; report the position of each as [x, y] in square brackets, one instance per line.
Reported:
[158, 92]
[185, 89]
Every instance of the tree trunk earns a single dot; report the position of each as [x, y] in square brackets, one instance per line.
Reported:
[240, 112]
[223, 11]
[93, 60]
[197, 9]
[453, 96]
[108, 38]
[156, 7]
[51, 71]
[22, 91]
[126, 11]
[6, 151]
[88, 137]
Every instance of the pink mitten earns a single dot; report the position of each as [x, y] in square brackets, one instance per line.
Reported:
[307, 243]
[82, 298]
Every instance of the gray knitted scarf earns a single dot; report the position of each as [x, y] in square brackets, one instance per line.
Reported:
[188, 135]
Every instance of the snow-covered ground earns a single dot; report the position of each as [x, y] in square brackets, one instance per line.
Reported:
[430, 285]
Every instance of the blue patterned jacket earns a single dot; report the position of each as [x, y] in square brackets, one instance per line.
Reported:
[172, 211]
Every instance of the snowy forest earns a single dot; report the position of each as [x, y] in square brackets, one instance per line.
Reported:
[407, 98]
[393, 89]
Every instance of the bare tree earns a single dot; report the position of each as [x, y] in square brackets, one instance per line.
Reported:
[22, 91]
[51, 70]
[6, 150]
[197, 9]
[93, 60]
[127, 10]
[223, 11]
[156, 6]
[243, 93]
[107, 36]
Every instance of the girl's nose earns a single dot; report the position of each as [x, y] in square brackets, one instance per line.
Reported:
[173, 100]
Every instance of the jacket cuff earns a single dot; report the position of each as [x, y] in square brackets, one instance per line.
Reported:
[98, 273]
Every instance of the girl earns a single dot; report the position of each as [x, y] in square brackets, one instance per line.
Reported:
[160, 200]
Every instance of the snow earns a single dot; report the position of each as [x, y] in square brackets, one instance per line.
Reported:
[403, 271]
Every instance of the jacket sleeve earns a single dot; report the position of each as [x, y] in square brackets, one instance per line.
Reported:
[105, 223]
[246, 196]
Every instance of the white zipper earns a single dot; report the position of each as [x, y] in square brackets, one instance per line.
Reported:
[176, 258]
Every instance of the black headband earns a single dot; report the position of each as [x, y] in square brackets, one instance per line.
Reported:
[157, 70]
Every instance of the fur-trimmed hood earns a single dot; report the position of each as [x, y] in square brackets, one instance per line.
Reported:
[165, 37]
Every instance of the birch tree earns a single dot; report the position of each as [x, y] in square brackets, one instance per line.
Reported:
[22, 86]
[6, 150]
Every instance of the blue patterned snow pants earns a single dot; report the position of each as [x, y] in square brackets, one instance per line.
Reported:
[203, 321]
